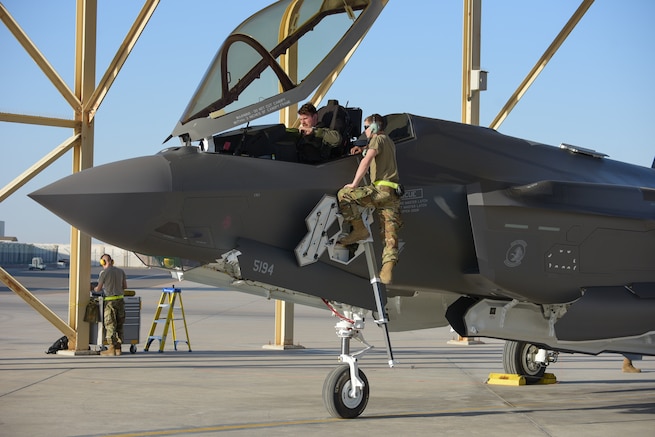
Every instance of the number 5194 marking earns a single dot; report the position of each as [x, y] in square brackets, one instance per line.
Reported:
[263, 267]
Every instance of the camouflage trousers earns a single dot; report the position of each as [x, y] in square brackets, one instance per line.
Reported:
[114, 320]
[387, 204]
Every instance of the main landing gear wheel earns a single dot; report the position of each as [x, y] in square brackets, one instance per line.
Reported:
[337, 394]
[519, 358]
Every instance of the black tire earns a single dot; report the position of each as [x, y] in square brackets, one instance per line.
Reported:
[519, 359]
[336, 394]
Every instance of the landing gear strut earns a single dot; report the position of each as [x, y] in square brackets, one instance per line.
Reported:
[346, 390]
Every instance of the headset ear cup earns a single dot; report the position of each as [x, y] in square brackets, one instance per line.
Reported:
[103, 262]
[374, 128]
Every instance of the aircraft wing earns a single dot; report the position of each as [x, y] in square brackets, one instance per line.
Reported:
[580, 197]
[609, 304]
[566, 234]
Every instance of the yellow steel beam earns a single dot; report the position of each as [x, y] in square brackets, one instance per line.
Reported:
[85, 100]
[91, 105]
[40, 60]
[471, 60]
[44, 162]
[289, 60]
[86, 18]
[284, 311]
[465, 57]
[541, 63]
[323, 88]
[36, 119]
[35, 303]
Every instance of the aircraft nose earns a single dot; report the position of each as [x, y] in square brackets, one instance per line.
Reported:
[117, 202]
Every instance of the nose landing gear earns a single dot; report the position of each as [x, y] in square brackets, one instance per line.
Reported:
[346, 389]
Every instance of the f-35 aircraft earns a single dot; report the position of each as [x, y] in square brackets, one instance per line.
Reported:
[550, 248]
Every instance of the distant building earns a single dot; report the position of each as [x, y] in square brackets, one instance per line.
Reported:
[14, 253]
[58, 255]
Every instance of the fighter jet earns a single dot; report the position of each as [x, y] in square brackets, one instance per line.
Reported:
[551, 248]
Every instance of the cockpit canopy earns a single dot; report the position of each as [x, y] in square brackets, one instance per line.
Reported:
[275, 59]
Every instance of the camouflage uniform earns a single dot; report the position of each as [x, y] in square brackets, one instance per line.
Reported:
[386, 202]
[328, 136]
[112, 279]
[383, 198]
[319, 145]
[114, 321]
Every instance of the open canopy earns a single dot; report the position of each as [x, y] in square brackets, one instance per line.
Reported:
[275, 59]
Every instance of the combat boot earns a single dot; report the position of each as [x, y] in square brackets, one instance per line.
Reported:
[358, 233]
[117, 349]
[628, 367]
[386, 272]
[109, 351]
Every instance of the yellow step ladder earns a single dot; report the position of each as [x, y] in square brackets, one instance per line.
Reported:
[167, 301]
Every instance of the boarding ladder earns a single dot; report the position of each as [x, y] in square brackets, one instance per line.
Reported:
[317, 241]
[167, 301]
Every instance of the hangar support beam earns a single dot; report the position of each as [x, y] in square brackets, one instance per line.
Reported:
[471, 49]
[40, 60]
[471, 61]
[284, 311]
[85, 100]
[541, 63]
[85, 76]
[42, 309]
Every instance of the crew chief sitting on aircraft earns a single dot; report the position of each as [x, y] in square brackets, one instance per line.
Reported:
[383, 194]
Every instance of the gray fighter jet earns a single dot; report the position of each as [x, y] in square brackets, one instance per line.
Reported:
[549, 247]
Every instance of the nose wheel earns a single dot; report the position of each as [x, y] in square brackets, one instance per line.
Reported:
[344, 397]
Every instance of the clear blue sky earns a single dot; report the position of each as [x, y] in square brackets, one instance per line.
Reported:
[597, 91]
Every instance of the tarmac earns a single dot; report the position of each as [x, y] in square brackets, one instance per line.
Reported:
[228, 384]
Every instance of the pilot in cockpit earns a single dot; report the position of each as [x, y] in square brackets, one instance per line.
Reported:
[316, 141]
[309, 125]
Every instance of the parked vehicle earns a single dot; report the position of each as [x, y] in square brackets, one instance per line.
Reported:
[36, 264]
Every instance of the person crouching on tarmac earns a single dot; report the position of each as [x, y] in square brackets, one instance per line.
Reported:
[379, 158]
[113, 280]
